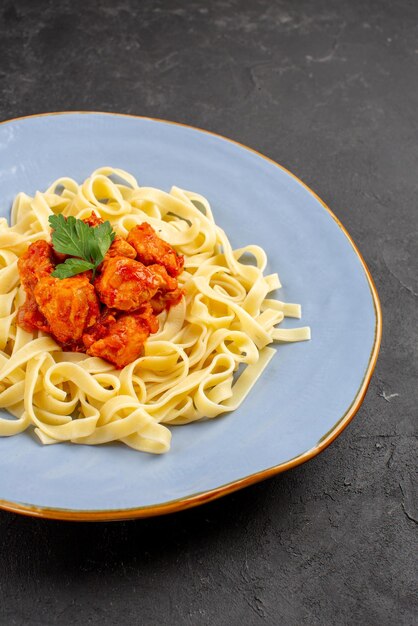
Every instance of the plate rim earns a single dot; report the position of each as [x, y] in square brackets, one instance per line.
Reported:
[196, 499]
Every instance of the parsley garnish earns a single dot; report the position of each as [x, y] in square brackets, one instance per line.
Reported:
[88, 244]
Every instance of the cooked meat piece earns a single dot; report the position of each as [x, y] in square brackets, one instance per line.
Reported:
[165, 300]
[168, 294]
[125, 284]
[35, 263]
[93, 220]
[121, 341]
[70, 306]
[100, 328]
[29, 316]
[151, 249]
[108, 317]
[120, 247]
[165, 281]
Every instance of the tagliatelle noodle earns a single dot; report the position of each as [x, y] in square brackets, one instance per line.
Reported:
[209, 350]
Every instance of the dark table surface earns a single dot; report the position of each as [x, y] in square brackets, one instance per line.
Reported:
[328, 89]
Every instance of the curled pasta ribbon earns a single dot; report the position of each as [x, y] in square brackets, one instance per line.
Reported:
[206, 356]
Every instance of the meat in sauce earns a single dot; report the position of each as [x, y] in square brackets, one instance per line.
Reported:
[69, 305]
[125, 284]
[151, 249]
[113, 317]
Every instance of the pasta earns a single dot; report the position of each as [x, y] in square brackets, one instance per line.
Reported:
[208, 353]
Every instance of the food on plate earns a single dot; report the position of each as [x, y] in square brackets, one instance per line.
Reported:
[124, 310]
[69, 307]
[151, 249]
[87, 302]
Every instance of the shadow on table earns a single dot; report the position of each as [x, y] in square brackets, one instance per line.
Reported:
[62, 548]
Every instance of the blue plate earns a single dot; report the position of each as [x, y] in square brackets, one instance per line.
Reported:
[309, 392]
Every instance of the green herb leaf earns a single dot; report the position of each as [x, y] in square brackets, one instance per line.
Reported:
[71, 267]
[88, 244]
[68, 237]
[103, 235]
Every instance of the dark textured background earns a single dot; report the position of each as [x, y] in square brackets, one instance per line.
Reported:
[330, 90]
